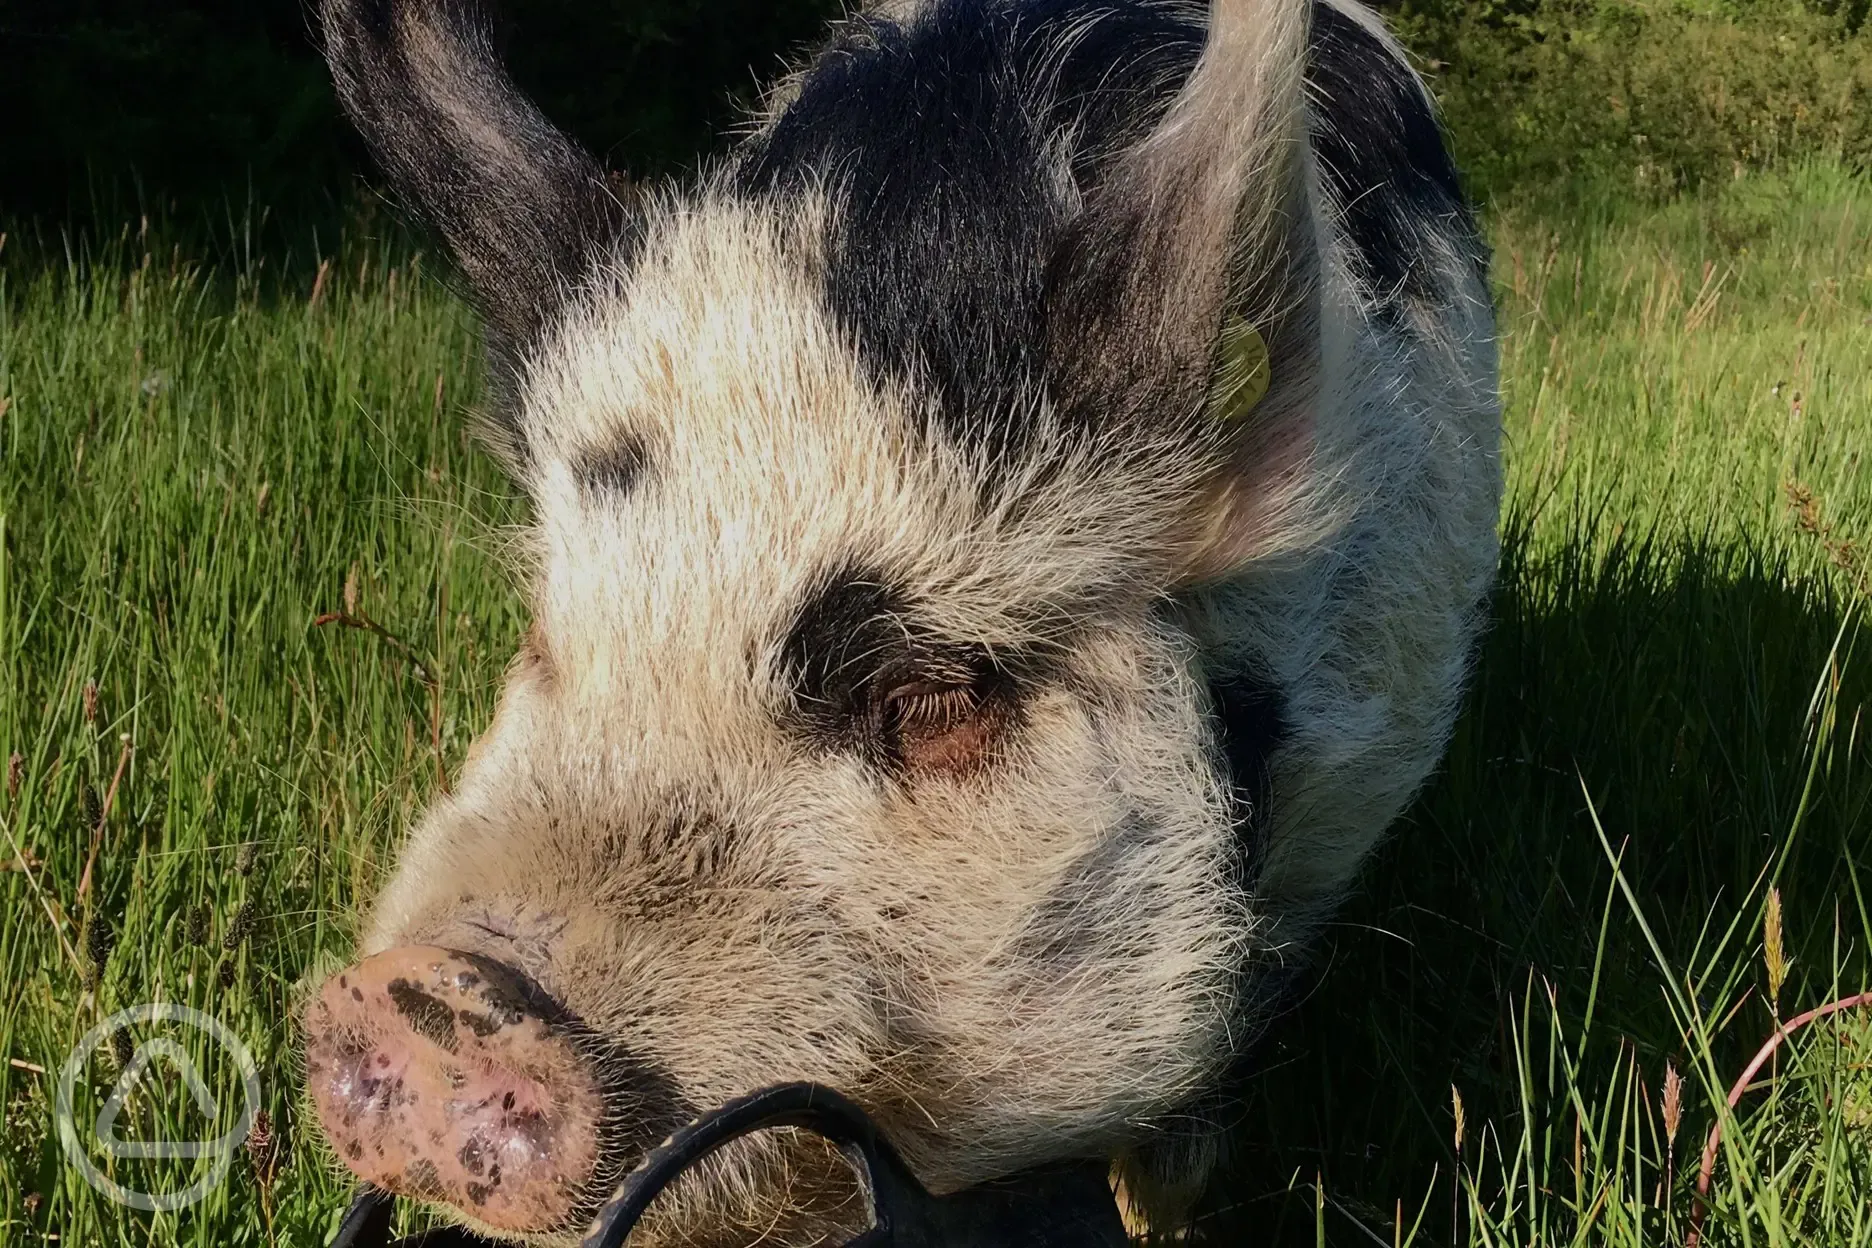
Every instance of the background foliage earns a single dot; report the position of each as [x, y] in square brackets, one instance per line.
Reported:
[1576, 97]
[206, 100]
[199, 104]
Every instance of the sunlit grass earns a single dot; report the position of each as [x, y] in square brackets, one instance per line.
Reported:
[1667, 719]
[1670, 685]
[191, 466]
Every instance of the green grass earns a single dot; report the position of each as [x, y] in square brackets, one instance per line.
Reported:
[1672, 647]
[195, 461]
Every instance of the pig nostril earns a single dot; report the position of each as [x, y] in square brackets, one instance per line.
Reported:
[454, 1077]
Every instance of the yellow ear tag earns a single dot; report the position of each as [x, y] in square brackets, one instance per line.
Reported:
[1245, 373]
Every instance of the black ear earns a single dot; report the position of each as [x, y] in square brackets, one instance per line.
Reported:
[1200, 244]
[520, 205]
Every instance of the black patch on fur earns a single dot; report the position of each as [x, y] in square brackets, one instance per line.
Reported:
[1250, 724]
[937, 131]
[1383, 157]
[522, 208]
[1089, 915]
[846, 631]
[934, 134]
[614, 468]
[644, 1104]
[855, 637]
[1092, 912]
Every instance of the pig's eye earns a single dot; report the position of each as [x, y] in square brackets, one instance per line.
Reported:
[941, 726]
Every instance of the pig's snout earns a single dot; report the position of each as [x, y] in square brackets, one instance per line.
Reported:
[439, 1075]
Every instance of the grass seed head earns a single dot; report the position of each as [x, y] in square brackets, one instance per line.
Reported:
[196, 927]
[23, 1121]
[264, 1148]
[227, 973]
[90, 702]
[1672, 1099]
[1456, 1106]
[242, 925]
[15, 774]
[122, 1048]
[1773, 953]
[246, 856]
[1841, 553]
[100, 939]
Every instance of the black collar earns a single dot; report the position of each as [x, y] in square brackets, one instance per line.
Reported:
[1067, 1206]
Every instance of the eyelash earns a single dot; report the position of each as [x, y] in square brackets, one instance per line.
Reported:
[939, 706]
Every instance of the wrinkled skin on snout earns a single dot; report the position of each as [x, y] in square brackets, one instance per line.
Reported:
[1003, 547]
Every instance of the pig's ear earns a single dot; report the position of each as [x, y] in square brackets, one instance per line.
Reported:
[520, 205]
[1187, 291]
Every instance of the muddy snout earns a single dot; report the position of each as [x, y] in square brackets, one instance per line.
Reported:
[443, 1075]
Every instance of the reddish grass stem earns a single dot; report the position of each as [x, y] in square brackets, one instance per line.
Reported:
[357, 619]
[97, 832]
[1700, 1206]
[363, 623]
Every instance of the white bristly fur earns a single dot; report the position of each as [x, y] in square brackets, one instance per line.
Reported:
[804, 920]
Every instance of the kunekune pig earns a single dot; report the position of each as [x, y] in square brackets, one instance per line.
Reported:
[1005, 542]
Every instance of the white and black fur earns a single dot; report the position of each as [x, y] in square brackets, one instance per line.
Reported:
[924, 387]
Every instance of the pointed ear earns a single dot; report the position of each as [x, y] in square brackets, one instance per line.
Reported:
[520, 205]
[1186, 295]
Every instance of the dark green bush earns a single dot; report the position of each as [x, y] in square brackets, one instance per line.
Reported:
[1641, 96]
[203, 103]
[204, 100]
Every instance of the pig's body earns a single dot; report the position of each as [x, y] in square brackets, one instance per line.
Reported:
[945, 684]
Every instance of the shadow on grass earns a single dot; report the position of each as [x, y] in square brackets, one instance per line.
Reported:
[1672, 681]
[240, 257]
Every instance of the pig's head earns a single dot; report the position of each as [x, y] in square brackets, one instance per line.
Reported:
[867, 732]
